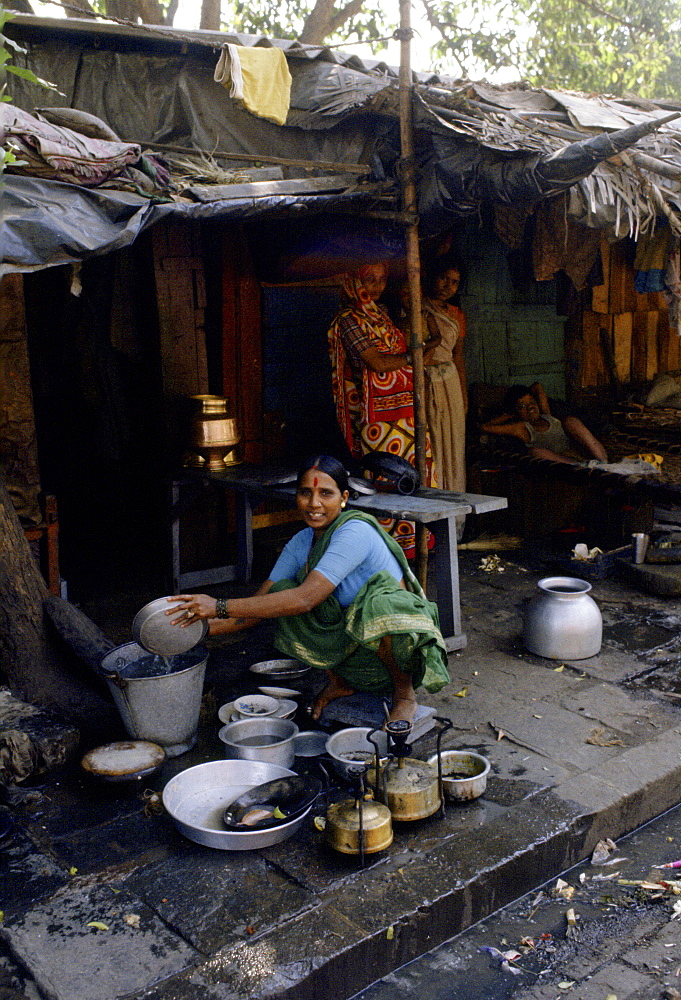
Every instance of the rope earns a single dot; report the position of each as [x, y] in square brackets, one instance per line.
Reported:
[156, 30]
[399, 34]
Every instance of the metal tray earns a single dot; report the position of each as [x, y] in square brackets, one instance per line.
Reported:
[125, 760]
[153, 629]
[197, 798]
[310, 743]
[279, 670]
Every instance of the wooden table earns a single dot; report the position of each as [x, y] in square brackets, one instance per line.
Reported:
[436, 508]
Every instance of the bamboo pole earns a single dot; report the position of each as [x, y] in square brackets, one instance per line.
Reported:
[409, 207]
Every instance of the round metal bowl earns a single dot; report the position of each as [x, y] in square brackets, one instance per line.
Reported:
[279, 670]
[196, 800]
[256, 706]
[472, 767]
[152, 628]
[350, 748]
[260, 739]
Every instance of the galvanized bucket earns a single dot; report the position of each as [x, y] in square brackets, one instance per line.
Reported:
[163, 708]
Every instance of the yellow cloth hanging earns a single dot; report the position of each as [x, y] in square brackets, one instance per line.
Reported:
[257, 78]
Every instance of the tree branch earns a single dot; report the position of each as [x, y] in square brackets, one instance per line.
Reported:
[597, 9]
[171, 11]
[324, 20]
[78, 8]
[346, 13]
[316, 26]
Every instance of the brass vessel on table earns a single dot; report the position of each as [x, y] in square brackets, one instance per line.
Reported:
[215, 436]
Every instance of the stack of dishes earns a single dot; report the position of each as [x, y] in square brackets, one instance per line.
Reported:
[257, 706]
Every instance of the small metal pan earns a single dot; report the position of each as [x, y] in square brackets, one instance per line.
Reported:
[292, 796]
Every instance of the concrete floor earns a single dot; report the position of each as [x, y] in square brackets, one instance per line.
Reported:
[104, 899]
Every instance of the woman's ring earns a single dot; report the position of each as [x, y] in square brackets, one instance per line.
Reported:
[190, 614]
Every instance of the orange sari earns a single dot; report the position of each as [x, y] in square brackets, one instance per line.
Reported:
[375, 410]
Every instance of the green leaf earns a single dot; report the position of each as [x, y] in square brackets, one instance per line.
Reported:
[27, 74]
[5, 16]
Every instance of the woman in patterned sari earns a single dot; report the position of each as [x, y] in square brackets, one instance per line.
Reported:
[372, 380]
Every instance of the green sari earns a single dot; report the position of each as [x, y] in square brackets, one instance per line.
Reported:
[346, 640]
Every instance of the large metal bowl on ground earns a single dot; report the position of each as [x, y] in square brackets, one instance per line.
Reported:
[196, 800]
[267, 739]
[464, 774]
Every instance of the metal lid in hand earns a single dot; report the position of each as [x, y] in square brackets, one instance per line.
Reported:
[152, 628]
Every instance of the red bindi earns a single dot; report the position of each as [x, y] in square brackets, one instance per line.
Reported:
[315, 482]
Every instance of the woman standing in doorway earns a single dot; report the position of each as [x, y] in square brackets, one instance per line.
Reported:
[446, 395]
[372, 379]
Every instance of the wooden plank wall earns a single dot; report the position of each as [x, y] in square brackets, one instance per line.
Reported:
[18, 443]
[181, 302]
[242, 342]
[635, 326]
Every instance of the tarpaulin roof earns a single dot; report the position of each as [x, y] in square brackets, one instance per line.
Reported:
[46, 223]
[475, 142]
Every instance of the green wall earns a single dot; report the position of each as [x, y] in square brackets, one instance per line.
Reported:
[514, 333]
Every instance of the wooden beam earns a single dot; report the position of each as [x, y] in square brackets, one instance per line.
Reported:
[268, 189]
[600, 293]
[623, 326]
[410, 207]
[644, 337]
[221, 154]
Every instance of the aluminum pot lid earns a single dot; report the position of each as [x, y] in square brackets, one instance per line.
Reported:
[152, 628]
[124, 760]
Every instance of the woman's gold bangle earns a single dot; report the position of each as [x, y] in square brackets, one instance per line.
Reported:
[221, 608]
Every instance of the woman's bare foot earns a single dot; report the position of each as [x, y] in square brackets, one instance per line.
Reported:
[403, 709]
[336, 688]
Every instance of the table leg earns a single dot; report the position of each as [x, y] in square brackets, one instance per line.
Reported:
[446, 565]
[192, 580]
[175, 536]
[244, 535]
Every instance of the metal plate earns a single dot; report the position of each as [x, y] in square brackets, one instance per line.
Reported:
[280, 669]
[152, 628]
[310, 743]
[197, 798]
[280, 692]
[125, 760]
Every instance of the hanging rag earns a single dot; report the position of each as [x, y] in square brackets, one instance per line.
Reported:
[256, 78]
[59, 153]
[560, 243]
[652, 256]
[672, 292]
